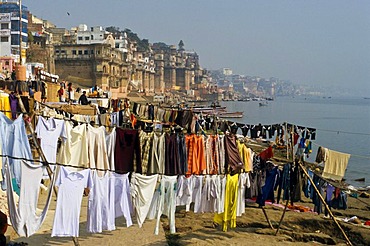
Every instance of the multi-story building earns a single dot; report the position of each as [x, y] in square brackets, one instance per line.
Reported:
[41, 48]
[13, 30]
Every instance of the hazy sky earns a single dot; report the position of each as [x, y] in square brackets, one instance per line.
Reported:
[313, 42]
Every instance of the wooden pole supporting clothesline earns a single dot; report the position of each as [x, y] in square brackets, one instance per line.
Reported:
[317, 191]
[41, 153]
[325, 204]
[290, 191]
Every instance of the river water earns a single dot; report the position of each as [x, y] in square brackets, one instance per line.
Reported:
[343, 124]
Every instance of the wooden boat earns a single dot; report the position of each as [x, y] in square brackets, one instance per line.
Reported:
[230, 114]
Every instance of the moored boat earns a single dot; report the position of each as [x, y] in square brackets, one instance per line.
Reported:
[230, 114]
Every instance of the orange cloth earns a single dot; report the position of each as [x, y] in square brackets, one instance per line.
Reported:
[196, 156]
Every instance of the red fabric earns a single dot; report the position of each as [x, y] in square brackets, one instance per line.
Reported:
[367, 223]
[267, 154]
[127, 150]
[296, 136]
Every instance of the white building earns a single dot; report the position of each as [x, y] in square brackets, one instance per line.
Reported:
[95, 35]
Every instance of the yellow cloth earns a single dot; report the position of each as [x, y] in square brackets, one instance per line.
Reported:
[231, 201]
[335, 165]
[5, 104]
[244, 155]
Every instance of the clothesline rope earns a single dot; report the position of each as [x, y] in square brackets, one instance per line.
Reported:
[352, 155]
[93, 168]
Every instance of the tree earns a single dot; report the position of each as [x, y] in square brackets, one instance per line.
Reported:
[113, 29]
[181, 45]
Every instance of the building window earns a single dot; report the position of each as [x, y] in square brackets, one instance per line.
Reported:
[63, 51]
[87, 38]
[4, 39]
[15, 25]
[86, 52]
[104, 69]
[80, 52]
[80, 38]
[74, 52]
[4, 26]
[92, 52]
[92, 37]
[98, 52]
[57, 51]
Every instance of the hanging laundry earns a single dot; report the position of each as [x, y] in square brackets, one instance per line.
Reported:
[322, 155]
[267, 154]
[67, 212]
[197, 193]
[232, 157]
[120, 203]
[211, 193]
[335, 165]
[243, 183]
[212, 154]
[184, 191]
[15, 143]
[48, 131]
[74, 150]
[146, 143]
[172, 158]
[221, 154]
[110, 139]
[231, 198]
[127, 150]
[268, 187]
[167, 202]
[183, 155]
[5, 104]
[98, 204]
[196, 157]
[142, 191]
[23, 216]
[157, 160]
[98, 157]
[13, 104]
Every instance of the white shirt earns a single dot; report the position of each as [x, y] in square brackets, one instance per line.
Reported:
[49, 131]
[184, 191]
[98, 204]
[74, 151]
[68, 208]
[119, 199]
[197, 193]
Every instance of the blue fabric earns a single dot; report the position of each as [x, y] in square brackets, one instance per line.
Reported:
[14, 140]
[268, 188]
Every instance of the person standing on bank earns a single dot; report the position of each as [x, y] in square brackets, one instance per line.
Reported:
[61, 94]
[83, 99]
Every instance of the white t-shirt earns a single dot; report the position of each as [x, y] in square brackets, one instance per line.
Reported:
[67, 213]
[49, 131]
[98, 204]
[74, 150]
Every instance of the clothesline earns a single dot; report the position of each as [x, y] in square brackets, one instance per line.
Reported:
[352, 155]
[94, 168]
